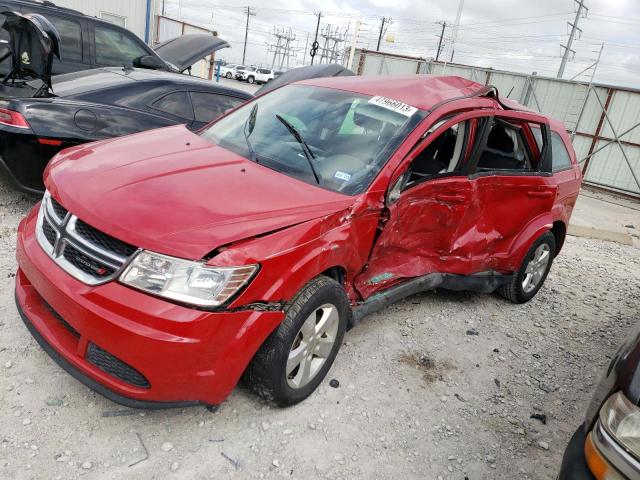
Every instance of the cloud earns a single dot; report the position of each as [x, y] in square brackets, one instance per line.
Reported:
[507, 35]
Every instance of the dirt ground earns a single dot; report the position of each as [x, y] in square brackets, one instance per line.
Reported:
[440, 386]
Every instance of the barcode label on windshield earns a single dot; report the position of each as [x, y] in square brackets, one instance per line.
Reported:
[393, 105]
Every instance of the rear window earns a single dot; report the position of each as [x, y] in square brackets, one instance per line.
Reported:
[177, 104]
[207, 106]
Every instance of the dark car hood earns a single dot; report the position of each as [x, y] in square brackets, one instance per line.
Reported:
[171, 191]
[33, 41]
[305, 73]
[184, 51]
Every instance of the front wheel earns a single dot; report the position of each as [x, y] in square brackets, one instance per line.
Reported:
[533, 272]
[251, 80]
[296, 357]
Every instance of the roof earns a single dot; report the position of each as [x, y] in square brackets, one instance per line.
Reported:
[84, 81]
[420, 91]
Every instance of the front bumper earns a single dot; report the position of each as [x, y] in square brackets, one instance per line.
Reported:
[574, 464]
[183, 354]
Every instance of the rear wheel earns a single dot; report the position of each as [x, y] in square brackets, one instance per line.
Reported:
[228, 75]
[296, 357]
[533, 272]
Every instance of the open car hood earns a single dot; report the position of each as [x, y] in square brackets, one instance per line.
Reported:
[33, 41]
[305, 73]
[184, 51]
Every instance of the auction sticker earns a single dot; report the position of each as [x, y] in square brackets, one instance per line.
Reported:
[344, 176]
[393, 105]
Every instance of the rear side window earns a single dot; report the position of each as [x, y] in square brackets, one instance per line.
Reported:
[116, 48]
[177, 104]
[561, 159]
[207, 106]
[70, 36]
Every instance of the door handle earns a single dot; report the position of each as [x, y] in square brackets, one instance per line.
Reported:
[450, 198]
[540, 193]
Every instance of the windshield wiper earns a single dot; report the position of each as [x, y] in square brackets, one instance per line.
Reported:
[305, 147]
[249, 125]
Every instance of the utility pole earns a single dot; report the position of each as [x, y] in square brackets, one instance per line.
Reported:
[454, 34]
[250, 13]
[354, 40]
[574, 28]
[383, 20]
[315, 40]
[444, 26]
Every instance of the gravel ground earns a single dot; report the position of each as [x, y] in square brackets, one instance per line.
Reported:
[441, 385]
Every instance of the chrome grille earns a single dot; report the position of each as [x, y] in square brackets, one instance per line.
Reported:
[84, 252]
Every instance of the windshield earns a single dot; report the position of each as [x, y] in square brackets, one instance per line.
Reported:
[333, 138]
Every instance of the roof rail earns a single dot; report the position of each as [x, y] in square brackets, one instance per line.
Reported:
[49, 4]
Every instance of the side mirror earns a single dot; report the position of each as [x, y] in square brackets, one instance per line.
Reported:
[149, 61]
[393, 195]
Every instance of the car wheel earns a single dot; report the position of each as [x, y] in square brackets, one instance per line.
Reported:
[251, 79]
[296, 357]
[533, 271]
[228, 75]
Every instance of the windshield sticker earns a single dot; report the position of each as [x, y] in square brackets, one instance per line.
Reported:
[342, 176]
[393, 105]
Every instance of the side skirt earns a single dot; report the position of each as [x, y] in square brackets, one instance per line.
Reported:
[484, 282]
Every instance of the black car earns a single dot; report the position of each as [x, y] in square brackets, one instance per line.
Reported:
[98, 104]
[607, 445]
[88, 42]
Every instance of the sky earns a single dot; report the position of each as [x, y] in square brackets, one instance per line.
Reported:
[522, 36]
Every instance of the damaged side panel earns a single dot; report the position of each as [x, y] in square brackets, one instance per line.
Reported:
[293, 256]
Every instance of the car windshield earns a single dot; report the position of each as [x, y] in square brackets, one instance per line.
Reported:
[337, 139]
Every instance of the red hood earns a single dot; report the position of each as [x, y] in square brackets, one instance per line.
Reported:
[170, 191]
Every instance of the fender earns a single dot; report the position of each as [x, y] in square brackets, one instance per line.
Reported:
[293, 256]
[512, 260]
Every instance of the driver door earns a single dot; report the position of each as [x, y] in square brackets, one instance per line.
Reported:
[426, 210]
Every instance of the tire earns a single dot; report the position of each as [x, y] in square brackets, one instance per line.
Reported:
[270, 373]
[228, 75]
[521, 291]
[250, 79]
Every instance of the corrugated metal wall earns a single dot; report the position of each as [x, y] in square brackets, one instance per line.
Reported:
[607, 138]
[133, 11]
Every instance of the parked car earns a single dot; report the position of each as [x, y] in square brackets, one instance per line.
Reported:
[41, 115]
[88, 42]
[243, 73]
[228, 70]
[161, 267]
[607, 444]
[261, 76]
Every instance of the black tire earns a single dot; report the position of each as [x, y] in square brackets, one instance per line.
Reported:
[266, 374]
[251, 79]
[228, 75]
[514, 290]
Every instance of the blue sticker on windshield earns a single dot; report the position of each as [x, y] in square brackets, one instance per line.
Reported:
[342, 176]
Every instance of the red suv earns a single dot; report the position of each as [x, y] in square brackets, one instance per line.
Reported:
[161, 267]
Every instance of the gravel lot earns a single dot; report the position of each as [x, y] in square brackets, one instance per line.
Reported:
[441, 385]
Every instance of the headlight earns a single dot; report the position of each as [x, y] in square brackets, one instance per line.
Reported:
[621, 419]
[184, 280]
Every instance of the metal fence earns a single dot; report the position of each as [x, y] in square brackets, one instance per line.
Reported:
[604, 121]
[168, 28]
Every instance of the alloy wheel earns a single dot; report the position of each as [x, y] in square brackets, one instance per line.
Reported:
[536, 268]
[312, 346]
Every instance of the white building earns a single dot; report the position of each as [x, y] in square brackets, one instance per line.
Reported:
[135, 15]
